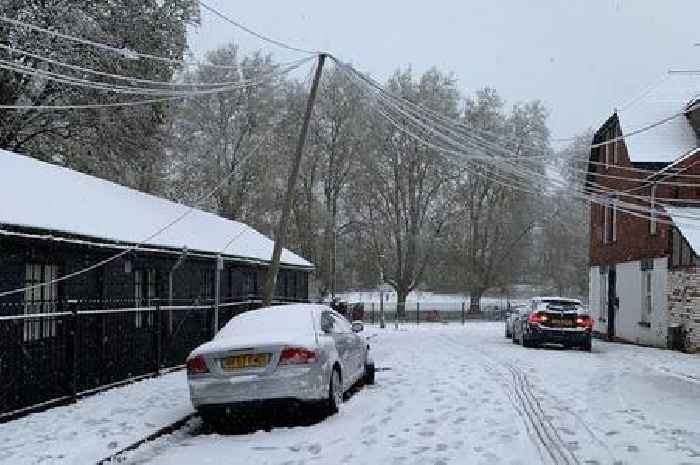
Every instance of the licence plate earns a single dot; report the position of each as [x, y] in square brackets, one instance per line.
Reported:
[237, 362]
[562, 323]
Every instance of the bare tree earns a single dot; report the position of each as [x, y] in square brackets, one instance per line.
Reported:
[229, 132]
[406, 186]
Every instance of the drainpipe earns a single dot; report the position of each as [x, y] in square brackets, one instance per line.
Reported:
[217, 291]
[178, 263]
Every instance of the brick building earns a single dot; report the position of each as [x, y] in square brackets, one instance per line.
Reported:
[638, 259]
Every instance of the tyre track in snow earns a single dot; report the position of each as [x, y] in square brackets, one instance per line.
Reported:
[519, 390]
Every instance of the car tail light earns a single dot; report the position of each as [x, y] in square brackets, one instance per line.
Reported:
[584, 321]
[197, 365]
[537, 317]
[297, 356]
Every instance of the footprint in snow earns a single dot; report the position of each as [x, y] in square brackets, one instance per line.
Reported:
[315, 448]
[632, 449]
[370, 429]
[420, 450]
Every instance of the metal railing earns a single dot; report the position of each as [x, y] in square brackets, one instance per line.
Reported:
[50, 358]
[423, 312]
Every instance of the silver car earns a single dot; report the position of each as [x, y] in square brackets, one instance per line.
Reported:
[511, 317]
[298, 354]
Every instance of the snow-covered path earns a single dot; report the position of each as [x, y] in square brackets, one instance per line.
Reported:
[448, 395]
[468, 396]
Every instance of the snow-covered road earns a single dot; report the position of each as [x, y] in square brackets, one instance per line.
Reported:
[468, 396]
[448, 395]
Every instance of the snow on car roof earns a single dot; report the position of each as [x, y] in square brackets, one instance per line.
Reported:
[278, 325]
[41, 195]
[669, 141]
[689, 228]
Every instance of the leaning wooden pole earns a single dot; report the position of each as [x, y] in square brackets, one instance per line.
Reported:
[281, 232]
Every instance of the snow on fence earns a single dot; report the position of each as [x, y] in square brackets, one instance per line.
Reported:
[48, 358]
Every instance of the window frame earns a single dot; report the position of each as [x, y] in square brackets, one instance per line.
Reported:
[36, 273]
[145, 292]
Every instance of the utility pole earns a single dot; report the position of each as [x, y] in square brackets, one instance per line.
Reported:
[382, 324]
[281, 233]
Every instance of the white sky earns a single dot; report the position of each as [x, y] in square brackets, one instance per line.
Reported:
[580, 57]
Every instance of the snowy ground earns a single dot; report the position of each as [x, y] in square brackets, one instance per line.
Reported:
[450, 395]
[96, 426]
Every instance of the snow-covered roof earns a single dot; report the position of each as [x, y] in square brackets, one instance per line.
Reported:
[36, 194]
[687, 220]
[666, 142]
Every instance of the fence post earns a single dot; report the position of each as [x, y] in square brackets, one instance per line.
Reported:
[417, 313]
[159, 338]
[372, 313]
[462, 313]
[75, 350]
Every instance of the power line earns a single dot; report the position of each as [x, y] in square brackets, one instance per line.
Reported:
[257, 34]
[146, 101]
[131, 79]
[546, 182]
[140, 244]
[66, 79]
[461, 128]
[123, 52]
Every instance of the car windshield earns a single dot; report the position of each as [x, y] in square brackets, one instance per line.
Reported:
[560, 304]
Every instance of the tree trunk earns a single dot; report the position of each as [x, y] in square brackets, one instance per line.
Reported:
[475, 301]
[401, 295]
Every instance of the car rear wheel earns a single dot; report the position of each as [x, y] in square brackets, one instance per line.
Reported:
[588, 345]
[335, 392]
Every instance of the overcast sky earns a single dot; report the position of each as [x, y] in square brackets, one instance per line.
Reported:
[580, 57]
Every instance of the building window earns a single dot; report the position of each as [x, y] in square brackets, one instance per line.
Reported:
[42, 299]
[613, 145]
[606, 151]
[652, 211]
[144, 295]
[206, 285]
[610, 222]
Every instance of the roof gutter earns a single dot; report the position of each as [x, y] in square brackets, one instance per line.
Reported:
[152, 249]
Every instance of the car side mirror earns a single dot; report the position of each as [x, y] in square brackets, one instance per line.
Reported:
[357, 326]
[326, 326]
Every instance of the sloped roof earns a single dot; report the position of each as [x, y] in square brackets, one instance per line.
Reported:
[689, 227]
[40, 195]
[666, 142]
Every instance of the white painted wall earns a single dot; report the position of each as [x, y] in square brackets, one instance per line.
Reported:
[629, 314]
[594, 299]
